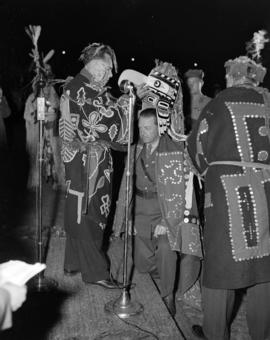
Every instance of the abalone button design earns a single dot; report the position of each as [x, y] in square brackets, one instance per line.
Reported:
[262, 155]
[263, 131]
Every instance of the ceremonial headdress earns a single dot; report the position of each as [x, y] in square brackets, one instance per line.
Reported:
[42, 67]
[249, 66]
[166, 97]
[97, 50]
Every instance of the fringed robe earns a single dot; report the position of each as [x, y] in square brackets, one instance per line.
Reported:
[53, 165]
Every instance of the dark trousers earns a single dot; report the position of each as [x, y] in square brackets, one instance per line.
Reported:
[218, 306]
[87, 257]
[156, 254]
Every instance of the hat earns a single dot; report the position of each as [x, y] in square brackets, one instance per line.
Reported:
[245, 67]
[194, 73]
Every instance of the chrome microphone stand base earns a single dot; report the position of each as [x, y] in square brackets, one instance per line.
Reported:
[40, 283]
[123, 307]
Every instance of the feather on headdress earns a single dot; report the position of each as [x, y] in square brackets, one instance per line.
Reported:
[256, 45]
[34, 33]
[41, 63]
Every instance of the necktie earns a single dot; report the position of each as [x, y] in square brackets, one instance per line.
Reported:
[148, 150]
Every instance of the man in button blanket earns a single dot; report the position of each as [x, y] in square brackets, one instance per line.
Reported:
[92, 122]
[230, 147]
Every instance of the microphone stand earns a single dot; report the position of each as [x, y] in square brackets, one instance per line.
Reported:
[40, 282]
[123, 307]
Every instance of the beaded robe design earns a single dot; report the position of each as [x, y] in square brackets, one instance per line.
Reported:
[92, 122]
[175, 196]
[231, 146]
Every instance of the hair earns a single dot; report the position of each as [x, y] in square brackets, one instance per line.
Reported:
[148, 113]
[97, 51]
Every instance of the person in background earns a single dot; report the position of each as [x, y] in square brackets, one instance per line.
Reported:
[216, 89]
[194, 80]
[4, 113]
[53, 165]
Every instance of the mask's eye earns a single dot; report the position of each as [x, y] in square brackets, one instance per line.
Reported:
[157, 83]
[151, 99]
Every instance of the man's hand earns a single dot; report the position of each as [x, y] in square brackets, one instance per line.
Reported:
[160, 230]
[142, 90]
[17, 294]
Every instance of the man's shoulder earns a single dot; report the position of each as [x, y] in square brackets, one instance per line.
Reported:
[206, 99]
[167, 144]
[227, 95]
[75, 83]
[224, 93]
[31, 96]
[239, 94]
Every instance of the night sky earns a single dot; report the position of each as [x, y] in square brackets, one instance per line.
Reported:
[206, 32]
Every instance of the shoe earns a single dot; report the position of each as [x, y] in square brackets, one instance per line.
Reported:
[68, 272]
[198, 331]
[170, 304]
[108, 284]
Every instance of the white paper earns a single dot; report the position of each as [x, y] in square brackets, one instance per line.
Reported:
[19, 272]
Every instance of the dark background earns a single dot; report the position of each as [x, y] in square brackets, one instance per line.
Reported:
[183, 32]
[206, 32]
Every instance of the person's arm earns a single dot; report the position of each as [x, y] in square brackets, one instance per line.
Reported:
[5, 109]
[30, 110]
[12, 297]
[17, 294]
[197, 142]
[53, 104]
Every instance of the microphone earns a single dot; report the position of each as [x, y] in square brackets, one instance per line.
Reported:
[126, 86]
[41, 98]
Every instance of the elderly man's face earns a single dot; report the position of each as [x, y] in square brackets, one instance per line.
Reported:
[101, 69]
[195, 85]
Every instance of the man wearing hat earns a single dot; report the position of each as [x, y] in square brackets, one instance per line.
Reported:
[194, 79]
[230, 146]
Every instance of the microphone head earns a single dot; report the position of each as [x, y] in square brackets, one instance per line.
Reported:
[125, 86]
[135, 77]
